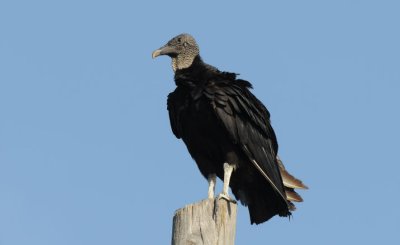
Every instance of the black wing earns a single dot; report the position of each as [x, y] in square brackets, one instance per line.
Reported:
[175, 105]
[247, 121]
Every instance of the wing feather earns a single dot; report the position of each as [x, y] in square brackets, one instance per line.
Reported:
[247, 122]
[175, 104]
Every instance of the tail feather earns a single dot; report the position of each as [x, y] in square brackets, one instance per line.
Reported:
[292, 196]
[263, 207]
[262, 199]
[290, 184]
[288, 179]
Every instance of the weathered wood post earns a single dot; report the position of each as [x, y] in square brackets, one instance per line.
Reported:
[208, 222]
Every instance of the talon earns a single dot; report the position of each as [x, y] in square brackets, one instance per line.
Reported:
[226, 197]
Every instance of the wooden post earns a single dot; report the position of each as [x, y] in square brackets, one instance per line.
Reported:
[208, 222]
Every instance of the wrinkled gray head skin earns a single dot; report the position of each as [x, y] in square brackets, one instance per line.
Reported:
[182, 49]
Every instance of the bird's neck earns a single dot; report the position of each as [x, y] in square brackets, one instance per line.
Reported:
[182, 62]
[192, 75]
[199, 73]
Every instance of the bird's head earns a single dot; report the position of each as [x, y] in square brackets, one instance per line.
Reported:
[183, 49]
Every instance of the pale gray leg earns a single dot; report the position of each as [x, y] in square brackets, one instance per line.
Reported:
[212, 179]
[228, 169]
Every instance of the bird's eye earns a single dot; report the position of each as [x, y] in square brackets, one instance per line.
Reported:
[179, 40]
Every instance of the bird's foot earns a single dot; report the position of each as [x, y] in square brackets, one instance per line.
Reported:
[226, 197]
[219, 197]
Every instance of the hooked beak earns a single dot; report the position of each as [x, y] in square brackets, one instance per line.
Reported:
[166, 50]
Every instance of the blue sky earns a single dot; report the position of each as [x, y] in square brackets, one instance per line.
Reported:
[86, 152]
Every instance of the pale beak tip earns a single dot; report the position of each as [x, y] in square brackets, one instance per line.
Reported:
[156, 53]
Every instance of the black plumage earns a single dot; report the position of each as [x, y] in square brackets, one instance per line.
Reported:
[222, 122]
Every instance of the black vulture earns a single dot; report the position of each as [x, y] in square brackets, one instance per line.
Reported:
[227, 131]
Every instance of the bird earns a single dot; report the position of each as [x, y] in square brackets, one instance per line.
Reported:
[228, 133]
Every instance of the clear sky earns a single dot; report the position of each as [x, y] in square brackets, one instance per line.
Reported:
[86, 152]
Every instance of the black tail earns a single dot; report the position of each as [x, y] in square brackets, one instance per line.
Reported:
[264, 203]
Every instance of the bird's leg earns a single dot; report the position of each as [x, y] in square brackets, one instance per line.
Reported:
[212, 178]
[228, 169]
